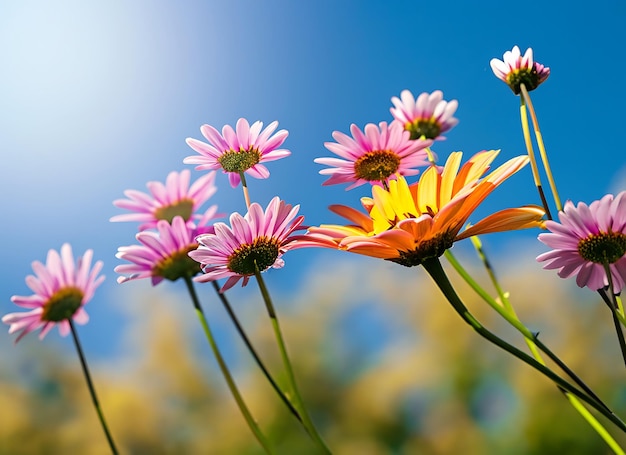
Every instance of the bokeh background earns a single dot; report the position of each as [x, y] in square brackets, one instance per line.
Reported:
[98, 97]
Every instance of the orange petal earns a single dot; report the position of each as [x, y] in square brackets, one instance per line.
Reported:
[506, 220]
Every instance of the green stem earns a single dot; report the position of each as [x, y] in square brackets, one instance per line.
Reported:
[299, 402]
[531, 156]
[515, 322]
[225, 372]
[575, 402]
[434, 269]
[253, 352]
[614, 310]
[92, 390]
[542, 148]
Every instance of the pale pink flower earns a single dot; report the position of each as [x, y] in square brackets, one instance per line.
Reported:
[515, 69]
[260, 237]
[168, 200]
[376, 155]
[586, 239]
[240, 150]
[61, 288]
[427, 116]
[162, 254]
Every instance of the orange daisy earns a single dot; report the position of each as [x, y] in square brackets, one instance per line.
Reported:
[409, 224]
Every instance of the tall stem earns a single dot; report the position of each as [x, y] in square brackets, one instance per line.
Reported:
[92, 390]
[542, 148]
[225, 372]
[299, 402]
[614, 310]
[253, 352]
[531, 156]
[244, 185]
[434, 269]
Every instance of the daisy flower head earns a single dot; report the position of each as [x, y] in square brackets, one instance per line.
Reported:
[515, 69]
[162, 254]
[410, 224]
[588, 239]
[254, 241]
[166, 201]
[61, 286]
[427, 116]
[240, 150]
[375, 155]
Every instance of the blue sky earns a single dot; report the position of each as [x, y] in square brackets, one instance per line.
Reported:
[98, 97]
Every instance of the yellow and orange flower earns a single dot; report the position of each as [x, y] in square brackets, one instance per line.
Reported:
[409, 224]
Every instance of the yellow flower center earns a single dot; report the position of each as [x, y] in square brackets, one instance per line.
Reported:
[427, 127]
[239, 160]
[62, 304]
[528, 76]
[603, 247]
[377, 166]
[177, 265]
[263, 252]
[183, 208]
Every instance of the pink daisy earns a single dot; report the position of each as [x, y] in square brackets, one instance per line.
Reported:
[587, 238]
[515, 69]
[238, 151]
[428, 116]
[376, 155]
[165, 202]
[61, 288]
[162, 254]
[259, 238]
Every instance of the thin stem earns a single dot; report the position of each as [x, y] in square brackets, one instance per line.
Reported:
[225, 372]
[434, 269]
[575, 402]
[531, 156]
[614, 311]
[515, 322]
[244, 185]
[299, 402]
[253, 352]
[92, 390]
[542, 148]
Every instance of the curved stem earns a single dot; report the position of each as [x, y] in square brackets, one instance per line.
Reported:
[434, 269]
[575, 402]
[612, 301]
[225, 372]
[515, 322]
[92, 390]
[299, 402]
[531, 156]
[253, 352]
[542, 148]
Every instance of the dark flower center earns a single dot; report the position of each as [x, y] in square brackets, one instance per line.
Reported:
[263, 251]
[62, 304]
[183, 208]
[528, 76]
[432, 248]
[177, 265]
[429, 128]
[377, 166]
[603, 247]
[240, 160]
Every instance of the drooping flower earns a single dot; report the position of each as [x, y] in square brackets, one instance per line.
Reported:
[168, 200]
[376, 155]
[256, 240]
[515, 69]
[240, 150]
[61, 288]
[409, 224]
[162, 254]
[429, 116]
[587, 238]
